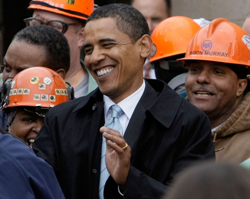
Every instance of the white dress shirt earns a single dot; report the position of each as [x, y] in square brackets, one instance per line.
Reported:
[127, 105]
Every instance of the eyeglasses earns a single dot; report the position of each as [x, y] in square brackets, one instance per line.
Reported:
[6, 67]
[59, 25]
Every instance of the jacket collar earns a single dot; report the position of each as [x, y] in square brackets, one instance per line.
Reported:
[157, 96]
[94, 97]
[167, 100]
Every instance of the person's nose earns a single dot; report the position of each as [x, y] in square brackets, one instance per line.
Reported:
[38, 124]
[203, 77]
[96, 56]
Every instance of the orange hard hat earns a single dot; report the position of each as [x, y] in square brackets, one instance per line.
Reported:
[220, 41]
[80, 9]
[36, 87]
[172, 36]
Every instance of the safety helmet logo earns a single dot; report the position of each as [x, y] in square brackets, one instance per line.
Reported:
[206, 45]
[71, 2]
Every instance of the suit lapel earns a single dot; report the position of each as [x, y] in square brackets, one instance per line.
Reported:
[95, 136]
[137, 120]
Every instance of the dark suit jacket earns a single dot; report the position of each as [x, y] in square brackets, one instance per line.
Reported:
[166, 134]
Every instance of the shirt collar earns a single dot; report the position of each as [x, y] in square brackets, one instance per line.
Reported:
[128, 104]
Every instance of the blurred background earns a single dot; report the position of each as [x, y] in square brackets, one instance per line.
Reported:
[12, 13]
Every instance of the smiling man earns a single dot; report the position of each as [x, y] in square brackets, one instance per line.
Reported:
[130, 137]
[68, 17]
[217, 58]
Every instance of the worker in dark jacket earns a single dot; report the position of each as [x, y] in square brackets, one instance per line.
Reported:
[23, 175]
[155, 133]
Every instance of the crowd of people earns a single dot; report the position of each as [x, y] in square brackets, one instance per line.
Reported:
[158, 108]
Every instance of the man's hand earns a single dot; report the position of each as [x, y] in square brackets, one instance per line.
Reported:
[118, 156]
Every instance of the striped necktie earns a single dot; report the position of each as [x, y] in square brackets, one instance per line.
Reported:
[115, 124]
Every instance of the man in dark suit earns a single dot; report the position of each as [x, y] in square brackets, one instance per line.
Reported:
[160, 133]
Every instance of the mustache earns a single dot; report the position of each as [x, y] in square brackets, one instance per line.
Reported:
[203, 88]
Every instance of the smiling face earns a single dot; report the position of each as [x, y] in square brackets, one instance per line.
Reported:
[215, 89]
[113, 60]
[26, 126]
[21, 55]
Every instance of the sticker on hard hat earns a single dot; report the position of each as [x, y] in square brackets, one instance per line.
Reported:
[44, 97]
[13, 83]
[206, 45]
[36, 97]
[26, 91]
[71, 2]
[10, 93]
[52, 98]
[14, 91]
[20, 91]
[64, 92]
[47, 80]
[58, 92]
[246, 40]
[34, 80]
[153, 50]
[42, 86]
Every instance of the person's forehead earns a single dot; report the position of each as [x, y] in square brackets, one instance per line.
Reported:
[152, 6]
[209, 63]
[102, 22]
[246, 25]
[103, 27]
[22, 54]
[21, 47]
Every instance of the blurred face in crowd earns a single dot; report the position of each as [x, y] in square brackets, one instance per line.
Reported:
[21, 55]
[246, 25]
[113, 59]
[214, 88]
[26, 126]
[153, 10]
[74, 34]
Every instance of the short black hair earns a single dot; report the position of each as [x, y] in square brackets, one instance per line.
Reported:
[53, 41]
[128, 19]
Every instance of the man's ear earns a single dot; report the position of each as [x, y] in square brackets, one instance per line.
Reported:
[242, 84]
[80, 37]
[61, 72]
[145, 46]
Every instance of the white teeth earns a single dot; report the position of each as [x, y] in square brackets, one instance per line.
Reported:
[203, 93]
[104, 72]
[30, 142]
